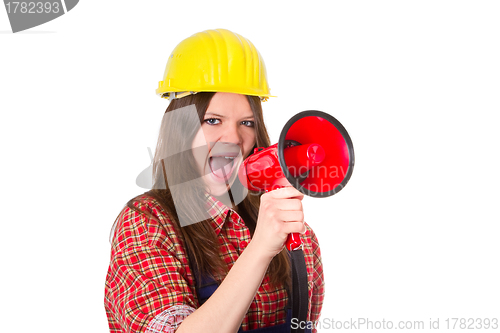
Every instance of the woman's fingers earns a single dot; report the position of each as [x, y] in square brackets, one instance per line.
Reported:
[291, 216]
[286, 192]
[280, 214]
[294, 227]
[289, 204]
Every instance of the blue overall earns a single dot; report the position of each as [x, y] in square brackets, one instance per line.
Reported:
[208, 287]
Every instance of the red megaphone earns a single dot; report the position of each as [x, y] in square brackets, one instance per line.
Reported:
[314, 154]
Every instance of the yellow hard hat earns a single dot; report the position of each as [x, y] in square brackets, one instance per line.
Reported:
[216, 61]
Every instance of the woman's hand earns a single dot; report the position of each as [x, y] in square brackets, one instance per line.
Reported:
[280, 213]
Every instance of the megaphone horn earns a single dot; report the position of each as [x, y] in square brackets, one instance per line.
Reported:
[314, 154]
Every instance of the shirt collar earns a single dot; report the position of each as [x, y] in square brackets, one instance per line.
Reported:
[219, 213]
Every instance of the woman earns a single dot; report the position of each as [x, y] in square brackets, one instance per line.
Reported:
[198, 253]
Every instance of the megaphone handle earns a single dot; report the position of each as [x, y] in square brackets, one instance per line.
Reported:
[293, 241]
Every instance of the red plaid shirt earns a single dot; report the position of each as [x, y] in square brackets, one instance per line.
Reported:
[150, 286]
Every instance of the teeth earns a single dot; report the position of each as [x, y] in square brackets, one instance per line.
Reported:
[229, 158]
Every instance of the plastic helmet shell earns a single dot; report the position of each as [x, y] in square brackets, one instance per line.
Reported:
[215, 61]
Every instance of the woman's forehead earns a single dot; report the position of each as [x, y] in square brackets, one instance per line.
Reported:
[229, 104]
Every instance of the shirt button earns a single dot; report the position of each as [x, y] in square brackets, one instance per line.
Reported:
[243, 244]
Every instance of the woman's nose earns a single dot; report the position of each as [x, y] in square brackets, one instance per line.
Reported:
[232, 134]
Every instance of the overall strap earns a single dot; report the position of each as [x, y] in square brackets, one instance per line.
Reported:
[300, 292]
[206, 288]
[204, 285]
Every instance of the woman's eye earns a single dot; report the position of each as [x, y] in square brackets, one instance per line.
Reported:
[212, 121]
[248, 123]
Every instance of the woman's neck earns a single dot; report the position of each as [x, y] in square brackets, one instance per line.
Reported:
[226, 200]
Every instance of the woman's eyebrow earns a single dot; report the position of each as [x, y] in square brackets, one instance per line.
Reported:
[214, 114]
[221, 116]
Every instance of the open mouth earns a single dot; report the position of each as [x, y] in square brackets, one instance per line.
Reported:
[222, 166]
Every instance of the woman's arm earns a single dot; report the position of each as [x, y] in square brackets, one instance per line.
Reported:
[225, 309]
[280, 214]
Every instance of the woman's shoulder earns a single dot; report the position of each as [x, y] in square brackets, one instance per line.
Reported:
[144, 221]
[143, 207]
[148, 204]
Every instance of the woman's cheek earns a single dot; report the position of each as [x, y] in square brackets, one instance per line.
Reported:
[249, 141]
[199, 139]
[209, 133]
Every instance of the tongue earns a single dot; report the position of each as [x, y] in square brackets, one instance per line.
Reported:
[221, 166]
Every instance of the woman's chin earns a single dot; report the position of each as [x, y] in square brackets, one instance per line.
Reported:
[216, 186]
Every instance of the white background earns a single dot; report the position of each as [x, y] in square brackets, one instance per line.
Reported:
[413, 236]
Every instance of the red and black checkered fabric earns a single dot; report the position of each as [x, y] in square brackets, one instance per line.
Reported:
[150, 286]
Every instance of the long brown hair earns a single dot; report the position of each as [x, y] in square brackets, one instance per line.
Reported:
[200, 238]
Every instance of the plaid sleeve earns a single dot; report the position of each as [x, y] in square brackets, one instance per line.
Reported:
[316, 278]
[147, 285]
